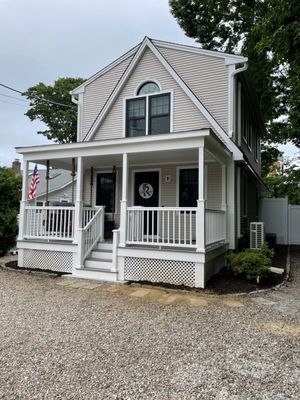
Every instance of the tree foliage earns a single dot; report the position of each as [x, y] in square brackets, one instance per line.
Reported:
[9, 206]
[268, 32]
[269, 156]
[284, 181]
[61, 119]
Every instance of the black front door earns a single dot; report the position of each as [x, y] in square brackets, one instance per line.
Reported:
[146, 194]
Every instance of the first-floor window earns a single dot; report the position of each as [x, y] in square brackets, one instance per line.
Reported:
[105, 195]
[188, 187]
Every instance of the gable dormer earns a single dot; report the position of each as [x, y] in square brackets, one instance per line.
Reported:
[194, 87]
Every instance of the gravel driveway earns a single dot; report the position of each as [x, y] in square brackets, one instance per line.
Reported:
[62, 338]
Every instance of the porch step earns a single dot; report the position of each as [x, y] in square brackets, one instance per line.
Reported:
[102, 254]
[98, 263]
[101, 274]
[104, 246]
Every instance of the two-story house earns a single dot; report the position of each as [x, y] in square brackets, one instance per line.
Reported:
[167, 170]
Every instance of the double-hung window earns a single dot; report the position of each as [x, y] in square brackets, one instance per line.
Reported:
[188, 187]
[149, 112]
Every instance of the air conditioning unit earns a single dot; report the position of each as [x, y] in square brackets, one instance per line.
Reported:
[257, 235]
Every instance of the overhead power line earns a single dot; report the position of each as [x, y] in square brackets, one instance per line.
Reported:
[14, 97]
[15, 104]
[37, 97]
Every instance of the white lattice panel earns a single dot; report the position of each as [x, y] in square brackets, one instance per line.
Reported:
[166, 271]
[60, 261]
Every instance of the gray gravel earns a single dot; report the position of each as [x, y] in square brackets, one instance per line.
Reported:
[59, 342]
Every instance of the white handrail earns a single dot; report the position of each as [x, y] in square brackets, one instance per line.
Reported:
[90, 234]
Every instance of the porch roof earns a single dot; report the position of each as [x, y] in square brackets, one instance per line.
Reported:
[167, 147]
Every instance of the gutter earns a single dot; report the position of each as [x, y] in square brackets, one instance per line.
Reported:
[231, 111]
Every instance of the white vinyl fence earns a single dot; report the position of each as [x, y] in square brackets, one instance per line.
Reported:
[282, 219]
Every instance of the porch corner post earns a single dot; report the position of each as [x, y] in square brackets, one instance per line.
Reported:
[231, 205]
[78, 201]
[201, 203]
[123, 206]
[23, 202]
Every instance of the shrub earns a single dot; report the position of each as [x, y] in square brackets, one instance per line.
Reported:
[9, 206]
[254, 264]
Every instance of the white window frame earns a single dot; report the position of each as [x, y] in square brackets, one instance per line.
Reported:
[170, 92]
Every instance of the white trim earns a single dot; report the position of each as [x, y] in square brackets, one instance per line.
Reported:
[150, 80]
[218, 129]
[238, 155]
[178, 168]
[81, 88]
[116, 91]
[179, 140]
[133, 171]
[229, 58]
[146, 96]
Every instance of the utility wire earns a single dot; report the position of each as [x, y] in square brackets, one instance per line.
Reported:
[15, 104]
[14, 97]
[37, 97]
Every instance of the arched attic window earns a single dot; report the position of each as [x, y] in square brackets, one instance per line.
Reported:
[148, 87]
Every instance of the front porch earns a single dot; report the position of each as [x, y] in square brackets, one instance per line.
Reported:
[166, 237]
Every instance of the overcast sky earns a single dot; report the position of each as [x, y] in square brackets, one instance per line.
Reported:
[41, 41]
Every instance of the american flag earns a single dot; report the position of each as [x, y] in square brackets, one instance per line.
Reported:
[34, 182]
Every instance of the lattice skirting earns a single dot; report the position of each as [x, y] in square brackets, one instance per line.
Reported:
[155, 270]
[60, 261]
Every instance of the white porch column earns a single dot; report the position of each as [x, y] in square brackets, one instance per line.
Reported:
[200, 220]
[231, 210]
[224, 195]
[78, 198]
[123, 207]
[23, 202]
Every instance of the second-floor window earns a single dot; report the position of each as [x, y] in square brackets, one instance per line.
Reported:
[148, 113]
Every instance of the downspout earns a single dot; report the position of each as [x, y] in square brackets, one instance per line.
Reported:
[76, 101]
[231, 96]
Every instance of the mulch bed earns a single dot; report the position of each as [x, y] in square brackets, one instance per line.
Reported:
[226, 283]
[222, 283]
[14, 265]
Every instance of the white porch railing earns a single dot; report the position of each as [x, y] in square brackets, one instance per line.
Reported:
[90, 234]
[163, 226]
[49, 223]
[215, 224]
[87, 214]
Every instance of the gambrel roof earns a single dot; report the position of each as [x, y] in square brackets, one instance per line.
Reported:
[156, 46]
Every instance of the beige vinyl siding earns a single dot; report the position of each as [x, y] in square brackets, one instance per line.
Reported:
[214, 186]
[186, 115]
[97, 93]
[206, 76]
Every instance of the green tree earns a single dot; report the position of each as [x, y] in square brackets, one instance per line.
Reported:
[53, 106]
[9, 205]
[284, 181]
[268, 32]
[269, 156]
